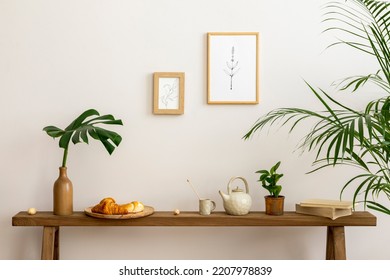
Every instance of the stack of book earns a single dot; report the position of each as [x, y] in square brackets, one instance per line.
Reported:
[332, 209]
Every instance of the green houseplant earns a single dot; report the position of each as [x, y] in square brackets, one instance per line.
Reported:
[342, 135]
[269, 180]
[274, 203]
[88, 123]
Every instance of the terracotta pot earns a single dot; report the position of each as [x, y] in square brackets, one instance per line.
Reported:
[63, 194]
[274, 205]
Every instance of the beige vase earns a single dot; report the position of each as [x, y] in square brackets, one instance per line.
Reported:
[63, 194]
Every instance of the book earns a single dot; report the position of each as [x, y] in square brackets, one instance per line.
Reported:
[323, 211]
[327, 203]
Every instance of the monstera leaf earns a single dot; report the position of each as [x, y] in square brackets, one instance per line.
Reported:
[85, 126]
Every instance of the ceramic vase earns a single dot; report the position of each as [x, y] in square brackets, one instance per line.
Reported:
[63, 194]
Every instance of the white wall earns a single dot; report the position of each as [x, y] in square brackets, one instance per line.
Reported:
[58, 58]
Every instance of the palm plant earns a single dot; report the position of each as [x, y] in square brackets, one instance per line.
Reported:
[80, 128]
[342, 135]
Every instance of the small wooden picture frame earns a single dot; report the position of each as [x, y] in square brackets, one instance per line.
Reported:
[233, 68]
[168, 93]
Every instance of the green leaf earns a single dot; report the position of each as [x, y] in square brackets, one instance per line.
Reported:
[359, 160]
[378, 207]
[79, 129]
[337, 147]
[369, 126]
[53, 131]
[107, 134]
[262, 177]
[65, 139]
[385, 111]
[83, 135]
[109, 147]
[361, 130]
[277, 190]
[275, 167]
[345, 140]
[76, 137]
[100, 118]
[79, 120]
[328, 108]
[93, 134]
[117, 122]
[351, 136]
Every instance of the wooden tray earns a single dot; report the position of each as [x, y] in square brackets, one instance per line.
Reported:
[147, 211]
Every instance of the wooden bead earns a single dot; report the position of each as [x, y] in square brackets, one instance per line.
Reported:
[32, 211]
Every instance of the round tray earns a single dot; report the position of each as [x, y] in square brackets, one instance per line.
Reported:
[146, 212]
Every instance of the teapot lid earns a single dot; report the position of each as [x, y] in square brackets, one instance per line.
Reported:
[237, 190]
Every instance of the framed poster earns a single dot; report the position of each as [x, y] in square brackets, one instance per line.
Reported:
[232, 68]
[168, 93]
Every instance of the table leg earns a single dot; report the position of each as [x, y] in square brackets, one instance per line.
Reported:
[335, 244]
[56, 254]
[50, 243]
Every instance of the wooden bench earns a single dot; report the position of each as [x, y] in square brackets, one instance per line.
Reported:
[335, 242]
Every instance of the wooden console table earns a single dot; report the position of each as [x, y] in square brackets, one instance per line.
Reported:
[335, 242]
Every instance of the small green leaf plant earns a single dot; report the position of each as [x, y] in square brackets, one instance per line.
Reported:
[269, 180]
[84, 125]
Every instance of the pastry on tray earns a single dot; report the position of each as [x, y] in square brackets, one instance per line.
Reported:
[108, 206]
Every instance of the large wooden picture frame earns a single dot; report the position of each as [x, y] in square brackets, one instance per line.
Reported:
[168, 93]
[232, 68]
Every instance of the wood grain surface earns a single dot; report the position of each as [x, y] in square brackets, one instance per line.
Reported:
[162, 218]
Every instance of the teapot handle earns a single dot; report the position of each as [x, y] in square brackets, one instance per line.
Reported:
[238, 177]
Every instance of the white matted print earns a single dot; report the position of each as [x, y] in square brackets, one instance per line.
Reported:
[168, 93]
[232, 64]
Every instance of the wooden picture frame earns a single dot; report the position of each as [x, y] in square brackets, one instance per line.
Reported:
[233, 68]
[168, 93]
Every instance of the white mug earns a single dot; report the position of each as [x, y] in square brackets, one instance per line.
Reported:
[206, 206]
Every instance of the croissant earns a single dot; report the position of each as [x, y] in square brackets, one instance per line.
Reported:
[109, 207]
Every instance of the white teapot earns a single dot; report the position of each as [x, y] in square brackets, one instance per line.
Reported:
[237, 202]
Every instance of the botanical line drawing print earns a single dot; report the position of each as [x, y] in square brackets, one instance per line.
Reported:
[231, 68]
[169, 94]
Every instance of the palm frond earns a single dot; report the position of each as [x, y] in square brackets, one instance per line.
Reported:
[342, 135]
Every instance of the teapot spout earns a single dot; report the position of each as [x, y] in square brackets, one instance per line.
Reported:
[224, 196]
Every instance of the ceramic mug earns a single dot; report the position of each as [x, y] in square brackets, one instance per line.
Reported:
[206, 206]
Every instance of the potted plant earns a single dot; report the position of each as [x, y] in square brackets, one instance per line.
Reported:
[274, 203]
[78, 132]
[342, 135]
